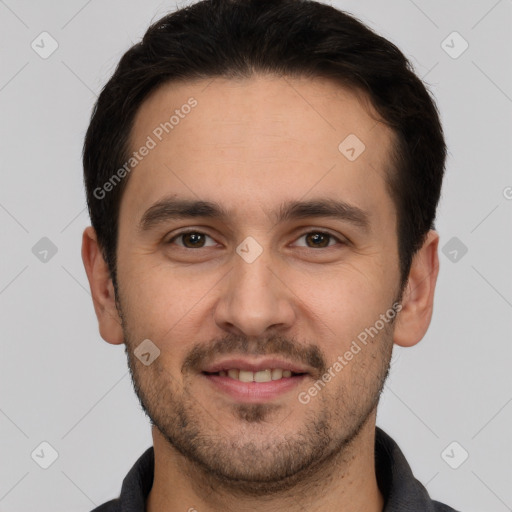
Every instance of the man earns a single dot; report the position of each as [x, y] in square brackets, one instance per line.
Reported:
[262, 179]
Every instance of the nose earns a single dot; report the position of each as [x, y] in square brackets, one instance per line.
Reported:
[254, 299]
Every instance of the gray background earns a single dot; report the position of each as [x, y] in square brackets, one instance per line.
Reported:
[61, 383]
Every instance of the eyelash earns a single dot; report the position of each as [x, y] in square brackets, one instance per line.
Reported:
[325, 233]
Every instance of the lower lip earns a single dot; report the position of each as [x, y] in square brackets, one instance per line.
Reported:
[254, 391]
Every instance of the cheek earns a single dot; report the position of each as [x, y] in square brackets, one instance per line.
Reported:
[342, 305]
[160, 293]
[167, 306]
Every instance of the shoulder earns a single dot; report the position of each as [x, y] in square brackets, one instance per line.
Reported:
[441, 507]
[109, 506]
[136, 486]
[401, 490]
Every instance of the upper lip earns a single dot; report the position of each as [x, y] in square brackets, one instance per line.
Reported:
[254, 365]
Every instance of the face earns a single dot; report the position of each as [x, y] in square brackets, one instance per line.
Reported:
[291, 261]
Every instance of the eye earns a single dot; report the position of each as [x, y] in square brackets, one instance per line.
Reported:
[319, 239]
[191, 240]
[197, 240]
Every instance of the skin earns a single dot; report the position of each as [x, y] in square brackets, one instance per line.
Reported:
[250, 145]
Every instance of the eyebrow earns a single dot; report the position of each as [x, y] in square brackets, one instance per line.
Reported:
[174, 209]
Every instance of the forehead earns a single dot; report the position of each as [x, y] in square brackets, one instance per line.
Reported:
[254, 142]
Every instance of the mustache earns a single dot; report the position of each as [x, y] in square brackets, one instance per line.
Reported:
[203, 354]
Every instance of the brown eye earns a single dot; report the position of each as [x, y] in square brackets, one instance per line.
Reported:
[319, 239]
[191, 240]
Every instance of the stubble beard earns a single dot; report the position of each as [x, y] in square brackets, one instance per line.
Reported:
[261, 461]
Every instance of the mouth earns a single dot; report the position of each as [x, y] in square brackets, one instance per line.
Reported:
[254, 381]
[267, 375]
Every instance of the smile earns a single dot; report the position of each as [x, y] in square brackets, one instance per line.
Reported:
[259, 376]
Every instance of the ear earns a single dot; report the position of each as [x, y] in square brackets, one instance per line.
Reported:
[418, 298]
[102, 289]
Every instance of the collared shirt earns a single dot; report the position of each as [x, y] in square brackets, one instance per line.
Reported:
[401, 491]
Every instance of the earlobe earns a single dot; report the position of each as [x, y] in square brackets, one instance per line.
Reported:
[102, 289]
[417, 302]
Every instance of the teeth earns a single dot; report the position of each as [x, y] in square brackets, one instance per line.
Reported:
[277, 374]
[260, 376]
[233, 374]
[263, 376]
[245, 376]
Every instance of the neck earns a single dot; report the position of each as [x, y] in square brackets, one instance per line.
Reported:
[345, 482]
